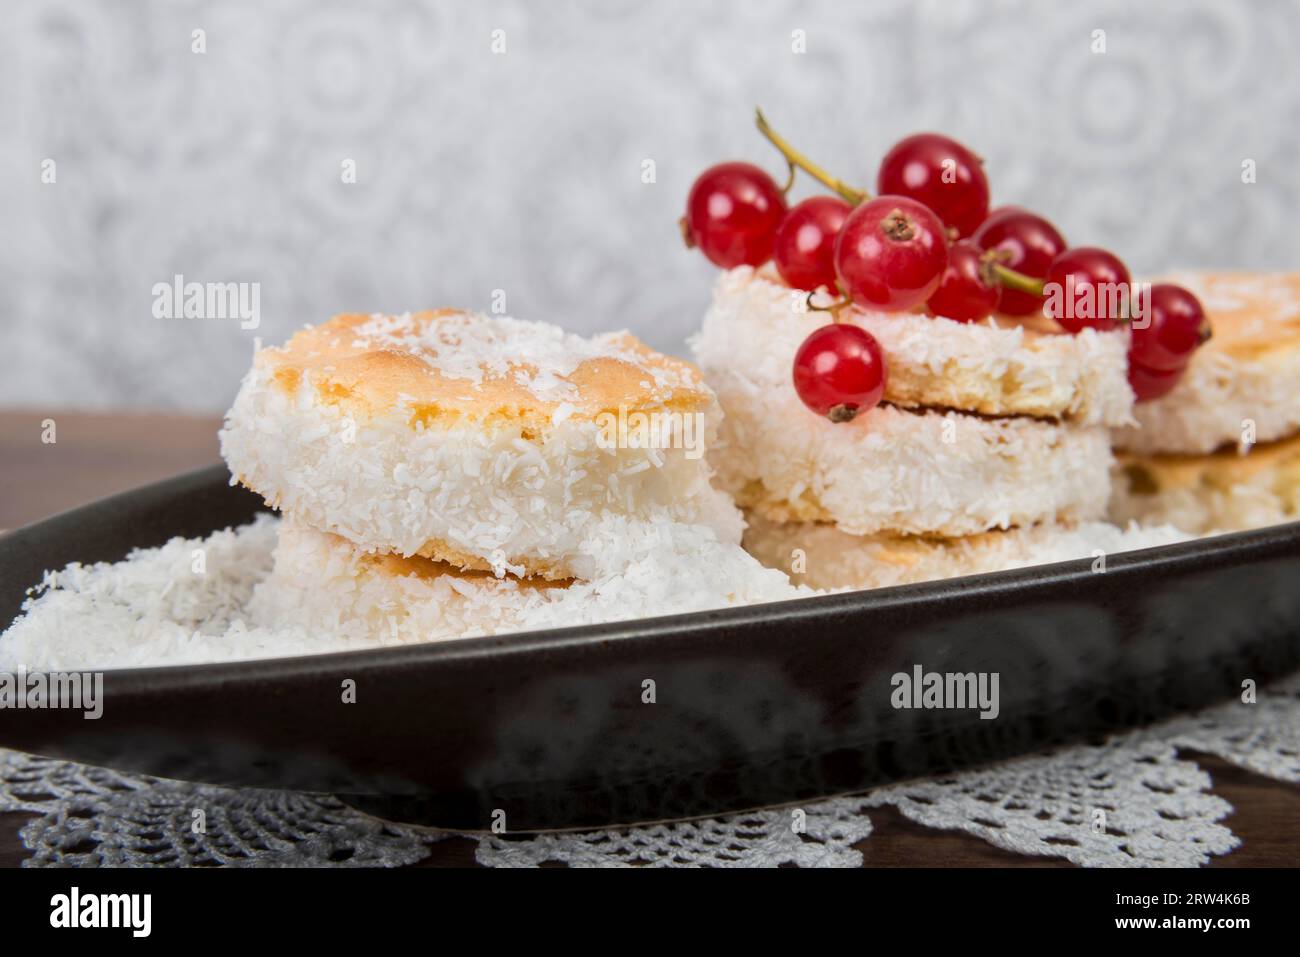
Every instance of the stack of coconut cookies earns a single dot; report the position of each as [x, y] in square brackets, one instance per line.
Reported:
[1221, 451]
[990, 449]
[444, 474]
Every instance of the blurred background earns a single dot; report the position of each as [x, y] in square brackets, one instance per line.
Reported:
[522, 170]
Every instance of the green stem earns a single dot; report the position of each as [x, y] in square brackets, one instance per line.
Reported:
[789, 180]
[795, 158]
[1017, 280]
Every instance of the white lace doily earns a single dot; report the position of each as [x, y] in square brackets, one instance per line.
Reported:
[1155, 811]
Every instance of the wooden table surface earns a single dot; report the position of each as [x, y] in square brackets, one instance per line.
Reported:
[98, 454]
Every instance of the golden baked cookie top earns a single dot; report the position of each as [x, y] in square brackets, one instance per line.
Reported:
[446, 365]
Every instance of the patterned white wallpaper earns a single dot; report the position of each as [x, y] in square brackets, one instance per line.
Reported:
[522, 171]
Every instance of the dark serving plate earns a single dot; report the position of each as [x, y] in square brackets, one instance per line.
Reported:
[758, 705]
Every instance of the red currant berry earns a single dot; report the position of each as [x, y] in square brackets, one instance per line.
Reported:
[1025, 243]
[805, 243]
[1172, 328]
[839, 372]
[942, 174]
[968, 291]
[1087, 288]
[891, 253]
[1151, 384]
[732, 214]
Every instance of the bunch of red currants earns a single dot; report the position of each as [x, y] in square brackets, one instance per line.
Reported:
[927, 241]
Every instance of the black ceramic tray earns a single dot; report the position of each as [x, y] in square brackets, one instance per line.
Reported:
[758, 705]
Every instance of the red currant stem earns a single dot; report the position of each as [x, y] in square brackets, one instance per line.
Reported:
[1017, 280]
[795, 158]
[813, 307]
[833, 308]
[789, 182]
